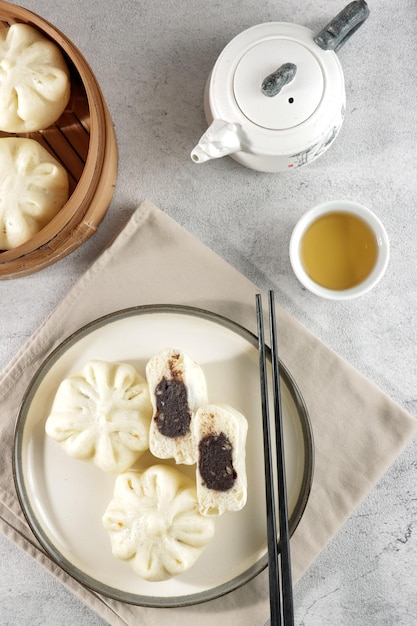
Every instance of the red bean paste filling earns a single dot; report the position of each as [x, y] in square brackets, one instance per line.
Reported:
[172, 417]
[215, 462]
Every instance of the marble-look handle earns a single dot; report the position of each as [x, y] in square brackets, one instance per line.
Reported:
[273, 83]
[343, 26]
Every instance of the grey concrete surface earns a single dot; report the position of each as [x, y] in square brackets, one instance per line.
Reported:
[152, 59]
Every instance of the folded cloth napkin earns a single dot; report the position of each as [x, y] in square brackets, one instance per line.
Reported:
[358, 431]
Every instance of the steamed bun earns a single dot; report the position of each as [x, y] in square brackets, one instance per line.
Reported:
[220, 432]
[34, 80]
[177, 387]
[154, 522]
[33, 188]
[102, 414]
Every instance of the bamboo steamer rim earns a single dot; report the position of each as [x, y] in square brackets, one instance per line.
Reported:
[79, 217]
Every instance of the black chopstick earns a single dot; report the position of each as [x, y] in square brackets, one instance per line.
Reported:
[280, 581]
[273, 561]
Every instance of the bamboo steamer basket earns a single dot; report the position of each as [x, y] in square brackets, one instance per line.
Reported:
[83, 140]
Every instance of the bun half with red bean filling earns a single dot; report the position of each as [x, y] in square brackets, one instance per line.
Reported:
[220, 434]
[177, 387]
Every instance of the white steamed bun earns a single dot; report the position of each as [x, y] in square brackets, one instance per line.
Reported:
[220, 433]
[154, 522]
[102, 414]
[34, 80]
[33, 188]
[177, 387]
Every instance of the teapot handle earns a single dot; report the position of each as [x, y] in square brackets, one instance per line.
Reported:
[335, 34]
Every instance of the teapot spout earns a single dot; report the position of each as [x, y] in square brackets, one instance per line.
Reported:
[221, 138]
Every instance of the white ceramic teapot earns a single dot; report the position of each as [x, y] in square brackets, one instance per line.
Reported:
[275, 99]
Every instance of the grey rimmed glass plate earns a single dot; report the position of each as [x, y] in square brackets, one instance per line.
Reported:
[64, 499]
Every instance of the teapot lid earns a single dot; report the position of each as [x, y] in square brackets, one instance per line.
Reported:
[296, 101]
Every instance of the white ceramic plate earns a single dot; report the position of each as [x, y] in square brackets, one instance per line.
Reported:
[64, 499]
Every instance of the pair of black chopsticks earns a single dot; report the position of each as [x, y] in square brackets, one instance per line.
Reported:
[280, 581]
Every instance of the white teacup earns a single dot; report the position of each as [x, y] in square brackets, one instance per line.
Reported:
[339, 250]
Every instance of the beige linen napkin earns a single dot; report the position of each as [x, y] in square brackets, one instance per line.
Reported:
[358, 431]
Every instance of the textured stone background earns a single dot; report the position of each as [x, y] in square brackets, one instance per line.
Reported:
[152, 59]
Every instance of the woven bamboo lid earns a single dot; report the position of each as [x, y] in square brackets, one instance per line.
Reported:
[83, 140]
